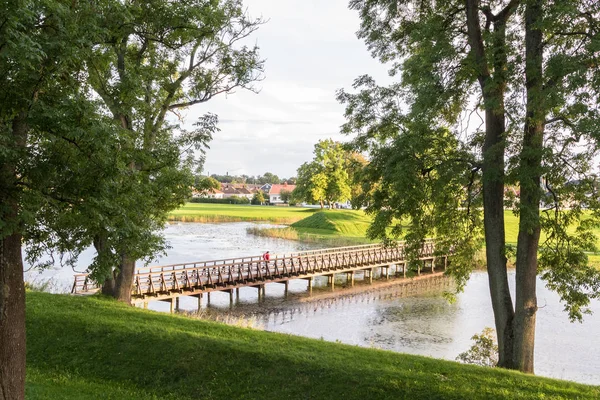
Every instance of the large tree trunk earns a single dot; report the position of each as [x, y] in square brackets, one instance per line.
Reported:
[12, 319]
[108, 286]
[124, 280]
[492, 89]
[493, 219]
[12, 290]
[530, 171]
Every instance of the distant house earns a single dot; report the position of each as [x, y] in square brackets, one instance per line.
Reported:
[245, 192]
[214, 194]
[211, 194]
[229, 191]
[266, 187]
[275, 192]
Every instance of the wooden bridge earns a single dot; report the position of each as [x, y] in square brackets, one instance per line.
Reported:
[169, 282]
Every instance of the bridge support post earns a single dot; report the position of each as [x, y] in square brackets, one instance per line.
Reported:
[433, 265]
[208, 299]
[172, 304]
[310, 285]
[261, 291]
[331, 281]
[285, 291]
[387, 272]
[351, 278]
[445, 262]
[177, 303]
[230, 297]
[145, 305]
[419, 267]
[404, 268]
[371, 275]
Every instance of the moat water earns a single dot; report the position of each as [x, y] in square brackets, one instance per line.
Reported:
[378, 316]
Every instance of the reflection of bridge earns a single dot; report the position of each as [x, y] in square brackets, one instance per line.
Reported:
[169, 282]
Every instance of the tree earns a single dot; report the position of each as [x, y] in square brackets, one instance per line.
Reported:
[268, 177]
[456, 58]
[155, 59]
[325, 179]
[54, 150]
[258, 198]
[206, 184]
[286, 195]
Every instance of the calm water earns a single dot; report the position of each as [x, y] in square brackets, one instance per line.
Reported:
[425, 324]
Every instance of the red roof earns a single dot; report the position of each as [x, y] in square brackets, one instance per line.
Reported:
[276, 189]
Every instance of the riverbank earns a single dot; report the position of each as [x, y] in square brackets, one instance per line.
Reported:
[91, 347]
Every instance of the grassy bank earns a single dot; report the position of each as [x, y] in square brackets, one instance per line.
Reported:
[92, 348]
[200, 212]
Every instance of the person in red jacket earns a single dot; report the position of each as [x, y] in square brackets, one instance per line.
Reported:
[266, 256]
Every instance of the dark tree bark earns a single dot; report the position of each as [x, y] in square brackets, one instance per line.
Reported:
[12, 319]
[492, 88]
[108, 286]
[12, 290]
[529, 222]
[124, 279]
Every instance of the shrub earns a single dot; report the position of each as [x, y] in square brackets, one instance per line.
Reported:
[484, 351]
[229, 200]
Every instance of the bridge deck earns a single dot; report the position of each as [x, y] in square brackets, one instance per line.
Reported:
[190, 279]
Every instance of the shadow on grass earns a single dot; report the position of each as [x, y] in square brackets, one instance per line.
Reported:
[98, 343]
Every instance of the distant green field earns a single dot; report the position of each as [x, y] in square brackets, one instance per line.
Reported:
[85, 348]
[202, 212]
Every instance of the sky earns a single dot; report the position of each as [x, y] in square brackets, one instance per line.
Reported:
[311, 50]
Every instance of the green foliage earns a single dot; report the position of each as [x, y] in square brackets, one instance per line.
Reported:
[326, 177]
[154, 59]
[206, 184]
[113, 351]
[229, 200]
[428, 160]
[258, 198]
[285, 195]
[484, 351]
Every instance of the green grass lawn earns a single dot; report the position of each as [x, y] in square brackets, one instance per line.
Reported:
[202, 212]
[95, 348]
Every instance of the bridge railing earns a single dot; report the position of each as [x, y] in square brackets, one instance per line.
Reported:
[243, 272]
[229, 271]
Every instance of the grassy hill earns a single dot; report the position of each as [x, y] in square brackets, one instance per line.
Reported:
[335, 222]
[94, 348]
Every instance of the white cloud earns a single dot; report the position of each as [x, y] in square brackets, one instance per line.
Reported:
[311, 50]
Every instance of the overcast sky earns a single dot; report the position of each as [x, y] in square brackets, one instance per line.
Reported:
[311, 50]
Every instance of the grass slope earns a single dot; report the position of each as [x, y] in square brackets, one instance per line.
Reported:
[349, 223]
[202, 212]
[92, 348]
